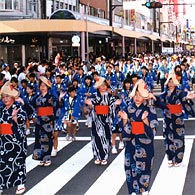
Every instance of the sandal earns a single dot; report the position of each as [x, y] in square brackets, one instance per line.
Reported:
[177, 164]
[97, 161]
[104, 162]
[41, 163]
[47, 163]
[170, 163]
[20, 190]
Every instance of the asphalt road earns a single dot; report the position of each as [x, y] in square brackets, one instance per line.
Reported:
[73, 171]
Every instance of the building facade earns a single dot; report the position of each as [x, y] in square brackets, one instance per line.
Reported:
[41, 28]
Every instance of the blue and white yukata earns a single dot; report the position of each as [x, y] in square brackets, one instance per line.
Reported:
[120, 78]
[125, 98]
[44, 127]
[139, 148]
[13, 148]
[173, 123]
[83, 90]
[72, 108]
[58, 110]
[101, 125]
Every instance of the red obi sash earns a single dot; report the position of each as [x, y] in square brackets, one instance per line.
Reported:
[6, 129]
[137, 128]
[102, 109]
[45, 111]
[175, 108]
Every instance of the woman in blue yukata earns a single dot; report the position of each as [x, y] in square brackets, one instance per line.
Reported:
[13, 143]
[139, 122]
[102, 105]
[44, 119]
[172, 102]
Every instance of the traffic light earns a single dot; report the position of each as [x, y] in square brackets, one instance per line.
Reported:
[153, 4]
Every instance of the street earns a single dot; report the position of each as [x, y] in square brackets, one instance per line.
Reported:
[73, 171]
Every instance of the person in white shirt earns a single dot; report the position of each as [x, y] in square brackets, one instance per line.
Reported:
[42, 68]
[21, 75]
[5, 68]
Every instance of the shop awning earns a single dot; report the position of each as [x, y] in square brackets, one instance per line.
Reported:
[38, 25]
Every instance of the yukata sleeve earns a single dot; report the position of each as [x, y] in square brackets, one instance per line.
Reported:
[82, 93]
[21, 118]
[115, 118]
[123, 104]
[33, 104]
[159, 103]
[187, 105]
[126, 131]
[95, 99]
[150, 130]
[112, 109]
[77, 109]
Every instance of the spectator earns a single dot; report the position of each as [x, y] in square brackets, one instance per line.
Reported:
[6, 72]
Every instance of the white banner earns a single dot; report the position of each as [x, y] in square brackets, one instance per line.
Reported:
[167, 50]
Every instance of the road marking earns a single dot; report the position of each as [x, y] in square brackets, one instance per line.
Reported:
[60, 176]
[159, 119]
[88, 138]
[171, 180]
[31, 164]
[114, 173]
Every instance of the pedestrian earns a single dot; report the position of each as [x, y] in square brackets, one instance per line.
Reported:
[6, 71]
[44, 122]
[172, 101]
[139, 128]
[13, 143]
[102, 106]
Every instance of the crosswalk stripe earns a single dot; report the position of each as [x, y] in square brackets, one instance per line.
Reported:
[31, 140]
[111, 179]
[167, 180]
[60, 176]
[159, 119]
[170, 180]
[31, 164]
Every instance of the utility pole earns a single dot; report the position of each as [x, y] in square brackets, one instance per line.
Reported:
[43, 9]
[111, 8]
[110, 18]
[154, 20]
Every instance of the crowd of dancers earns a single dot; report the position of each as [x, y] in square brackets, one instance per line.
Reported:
[116, 98]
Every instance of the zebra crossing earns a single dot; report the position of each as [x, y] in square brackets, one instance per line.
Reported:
[76, 173]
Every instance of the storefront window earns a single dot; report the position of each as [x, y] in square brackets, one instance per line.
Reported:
[61, 5]
[2, 4]
[16, 4]
[10, 4]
